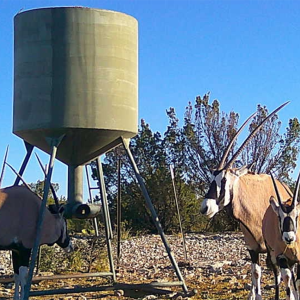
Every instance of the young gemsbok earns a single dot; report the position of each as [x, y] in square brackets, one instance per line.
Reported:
[19, 211]
[245, 196]
[282, 238]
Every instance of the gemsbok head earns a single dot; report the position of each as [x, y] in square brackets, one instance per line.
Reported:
[287, 213]
[219, 193]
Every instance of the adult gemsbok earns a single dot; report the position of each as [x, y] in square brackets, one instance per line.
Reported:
[246, 197]
[282, 238]
[19, 212]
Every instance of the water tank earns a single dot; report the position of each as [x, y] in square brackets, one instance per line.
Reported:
[75, 73]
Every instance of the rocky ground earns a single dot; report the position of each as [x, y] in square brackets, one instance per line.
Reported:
[217, 266]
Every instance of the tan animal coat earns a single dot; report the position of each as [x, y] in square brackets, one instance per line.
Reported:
[250, 206]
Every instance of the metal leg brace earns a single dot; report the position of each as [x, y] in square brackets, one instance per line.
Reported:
[107, 222]
[154, 214]
[54, 144]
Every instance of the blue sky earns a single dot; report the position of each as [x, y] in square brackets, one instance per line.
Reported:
[244, 52]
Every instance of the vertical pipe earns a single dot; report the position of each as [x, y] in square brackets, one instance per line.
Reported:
[119, 212]
[29, 149]
[54, 143]
[107, 223]
[75, 184]
[154, 214]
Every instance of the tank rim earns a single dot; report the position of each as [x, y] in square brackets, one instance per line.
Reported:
[72, 7]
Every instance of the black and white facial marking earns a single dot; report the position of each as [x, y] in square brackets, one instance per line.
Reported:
[288, 220]
[218, 195]
[64, 240]
[220, 192]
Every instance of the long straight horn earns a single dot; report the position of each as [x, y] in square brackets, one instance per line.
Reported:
[235, 156]
[21, 178]
[276, 190]
[51, 185]
[3, 166]
[296, 191]
[232, 141]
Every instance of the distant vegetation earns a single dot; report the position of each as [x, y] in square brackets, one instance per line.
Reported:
[193, 149]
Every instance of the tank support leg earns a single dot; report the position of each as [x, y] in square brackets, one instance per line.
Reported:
[107, 222]
[54, 143]
[153, 213]
[119, 212]
[29, 149]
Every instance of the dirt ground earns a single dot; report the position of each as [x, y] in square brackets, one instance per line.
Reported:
[217, 267]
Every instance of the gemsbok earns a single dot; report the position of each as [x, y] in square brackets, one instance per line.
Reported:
[19, 212]
[245, 196]
[282, 238]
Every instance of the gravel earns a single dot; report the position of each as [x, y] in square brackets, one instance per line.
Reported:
[213, 261]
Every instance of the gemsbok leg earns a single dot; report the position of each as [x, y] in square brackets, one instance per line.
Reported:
[287, 277]
[277, 278]
[298, 281]
[255, 293]
[20, 264]
[272, 265]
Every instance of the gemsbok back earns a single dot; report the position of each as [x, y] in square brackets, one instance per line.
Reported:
[282, 238]
[245, 196]
[19, 212]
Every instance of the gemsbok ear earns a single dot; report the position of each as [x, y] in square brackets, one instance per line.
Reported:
[250, 166]
[242, 171]
[274, 204]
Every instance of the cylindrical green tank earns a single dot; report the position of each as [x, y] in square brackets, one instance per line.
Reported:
[75, 73]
